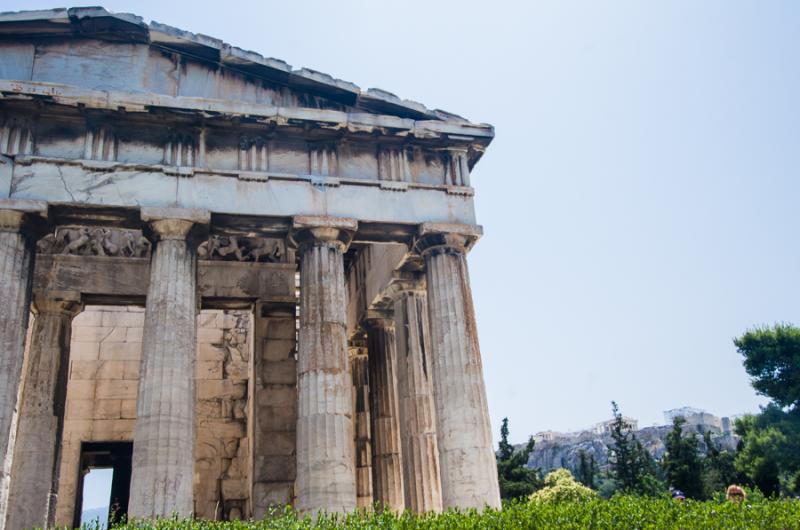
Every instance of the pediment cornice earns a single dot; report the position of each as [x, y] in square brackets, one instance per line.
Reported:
[98, 23]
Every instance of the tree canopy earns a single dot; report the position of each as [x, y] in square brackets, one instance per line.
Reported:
[769, 452]
[515, 478]
[631, 465]
[682, 464]
[772, 359]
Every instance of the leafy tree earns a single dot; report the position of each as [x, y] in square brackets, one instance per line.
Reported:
[560, 486]
[719, 469]
[587, 470]
[772, 359]
[759, 454]
[632, 467]
[769, 456]
[515, 478]
[681, 463]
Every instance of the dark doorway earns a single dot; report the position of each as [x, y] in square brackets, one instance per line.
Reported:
[114, 456]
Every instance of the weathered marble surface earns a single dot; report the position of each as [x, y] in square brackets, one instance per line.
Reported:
[275, 407]
[127, 279]
[466, 456]
[325, 464]
[16, 260]
[361, 420]
[422, 482]
[296, 195]
[387, 462]
[34, 485]
[164, 438]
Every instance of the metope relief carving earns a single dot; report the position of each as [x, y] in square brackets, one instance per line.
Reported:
[95, 241]
[234, 248]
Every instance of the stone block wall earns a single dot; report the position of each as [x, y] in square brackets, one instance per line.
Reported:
[102, 389]
[275, 404]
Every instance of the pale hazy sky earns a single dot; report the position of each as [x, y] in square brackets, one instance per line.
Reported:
[640, 200]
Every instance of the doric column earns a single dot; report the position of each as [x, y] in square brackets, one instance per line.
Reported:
[325, 473]
[361, 423]
[468, 466]
[387, 467]
[35, 469]
[423, 487]
[16, 266]
[164, 436]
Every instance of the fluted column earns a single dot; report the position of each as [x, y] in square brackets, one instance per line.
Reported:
[34, 478]
[387, 466]
[361, 425]
[164, 436]
[469, 469]
[16, 266]
[422, 483]
[325, 472]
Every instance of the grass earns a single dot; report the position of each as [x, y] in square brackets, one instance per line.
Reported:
[620, 512]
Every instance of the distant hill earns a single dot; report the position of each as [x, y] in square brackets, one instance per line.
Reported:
[554, 450]
[93, 516]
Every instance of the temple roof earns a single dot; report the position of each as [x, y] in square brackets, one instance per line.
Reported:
[98, 23]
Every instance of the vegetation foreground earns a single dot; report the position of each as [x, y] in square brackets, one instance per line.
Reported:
[618, 512]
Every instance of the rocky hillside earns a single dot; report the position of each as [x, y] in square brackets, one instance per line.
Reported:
[564, 450]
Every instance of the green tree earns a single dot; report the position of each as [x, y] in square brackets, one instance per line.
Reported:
[587, 470]
[681, 464]
[632, 467]
[759, 454]
[772, 359]
[719, 469]
[515, 478]
[769, 456]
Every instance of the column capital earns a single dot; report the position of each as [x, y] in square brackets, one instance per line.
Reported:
[436, 238]
[357, 345]
[67, 303]
[322, 230]
[403, 284]
[174, 223]
[24, 216]
[377, 319]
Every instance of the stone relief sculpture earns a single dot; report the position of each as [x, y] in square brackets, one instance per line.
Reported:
[230, 248]
[90, 241]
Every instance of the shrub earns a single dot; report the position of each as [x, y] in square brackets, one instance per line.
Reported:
[621, 511]
[561, 486]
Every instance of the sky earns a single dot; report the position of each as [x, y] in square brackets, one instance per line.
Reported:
[639, 201]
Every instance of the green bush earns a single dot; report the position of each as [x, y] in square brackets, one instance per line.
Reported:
[561, 486]
[620, 512]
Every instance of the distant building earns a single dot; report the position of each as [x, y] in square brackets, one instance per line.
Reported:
[604, 427]
[696, 418]
[547, 436]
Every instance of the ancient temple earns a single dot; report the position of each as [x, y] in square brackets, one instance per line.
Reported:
[236, 284]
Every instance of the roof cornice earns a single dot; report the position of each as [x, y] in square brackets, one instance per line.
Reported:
[98, 23]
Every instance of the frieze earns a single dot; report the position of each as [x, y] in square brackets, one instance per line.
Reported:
[95, 241]
[234, 248]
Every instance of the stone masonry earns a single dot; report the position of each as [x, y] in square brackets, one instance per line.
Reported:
[106, 351]
[249, 282]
